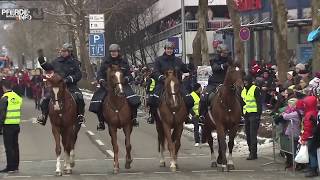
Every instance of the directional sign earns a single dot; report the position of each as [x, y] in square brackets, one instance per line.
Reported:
[96, 17]
[96, 45]
[96, 25]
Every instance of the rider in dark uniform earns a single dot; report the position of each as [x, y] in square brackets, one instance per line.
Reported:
[168, 61]
[101, 93]
[69, 69]
[219, 65]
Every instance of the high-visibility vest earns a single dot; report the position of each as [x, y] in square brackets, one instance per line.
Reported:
[13, 115]
[152, 85]
[249, 100]
[196, 100]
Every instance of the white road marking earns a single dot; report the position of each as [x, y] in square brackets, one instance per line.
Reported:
[93, 174]
[48, 175]
[110, 153]
[9, 177]
[90, 133]
[132, 173]
[163, 172]
[100, 142]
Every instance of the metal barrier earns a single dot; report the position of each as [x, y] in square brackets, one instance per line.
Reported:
[285, 144]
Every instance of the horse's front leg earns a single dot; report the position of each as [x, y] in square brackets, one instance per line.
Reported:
[56, 135]
[113, 134]
[222, 149]
[127, 132]
[232, 136]
[171, 146]
[178, 134]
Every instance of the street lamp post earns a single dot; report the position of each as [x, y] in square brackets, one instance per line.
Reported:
[183, 31]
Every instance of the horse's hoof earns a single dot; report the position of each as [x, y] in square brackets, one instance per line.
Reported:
[214, 164]
[230, 167]
[58, 173]
[128, 164]
[72, 164]
[116, 171]
[69, 171]
[163, 164]
[220, 168]
[173, 169]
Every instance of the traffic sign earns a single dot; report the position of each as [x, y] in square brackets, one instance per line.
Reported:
[97, 31]
[244, 34]
[96, 45]
[96, 17]
[96, 25]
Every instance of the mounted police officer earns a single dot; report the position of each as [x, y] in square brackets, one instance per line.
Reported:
[219, 65]
[168, 61]
[98, 97]
[69, 69]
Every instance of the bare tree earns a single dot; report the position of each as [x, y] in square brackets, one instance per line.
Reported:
[280, 27]
[200, 42]
[315, 24]
[236, 23]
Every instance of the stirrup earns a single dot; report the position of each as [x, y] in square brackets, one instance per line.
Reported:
[101, 126]
[41, 120]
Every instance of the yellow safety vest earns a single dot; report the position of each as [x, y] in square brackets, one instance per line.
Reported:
[13, 115]
[152, 85]
[196, 100]
[249, 100]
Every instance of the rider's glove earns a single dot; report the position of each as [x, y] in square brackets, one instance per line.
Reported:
[102, 82]
[161, 78]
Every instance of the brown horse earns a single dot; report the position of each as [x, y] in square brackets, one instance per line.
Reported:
[63, 115]
[117, 113]
[224, 117]
[172, 113]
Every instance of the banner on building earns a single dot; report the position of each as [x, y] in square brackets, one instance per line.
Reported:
[203, 74]
[21, 14]
[248, 5]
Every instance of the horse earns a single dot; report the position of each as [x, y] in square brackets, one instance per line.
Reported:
[117, 114]
[224, 117]
[37, 94]
[171, 115]
[63, 118]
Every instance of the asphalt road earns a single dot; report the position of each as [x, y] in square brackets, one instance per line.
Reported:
[94, 156]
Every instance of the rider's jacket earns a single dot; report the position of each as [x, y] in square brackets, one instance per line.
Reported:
[165, 62]
[122, 62]
[68, 68]
[219, 66]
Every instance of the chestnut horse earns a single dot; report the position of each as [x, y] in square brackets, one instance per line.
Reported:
[63, 118]
[172, 113]
[224, 117]
[117, 113]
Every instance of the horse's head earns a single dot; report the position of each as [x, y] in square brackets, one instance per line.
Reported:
[172, 85]
[234, 76]
[115, 79]
[58, 86]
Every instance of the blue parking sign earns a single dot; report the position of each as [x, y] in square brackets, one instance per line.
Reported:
[96, 45]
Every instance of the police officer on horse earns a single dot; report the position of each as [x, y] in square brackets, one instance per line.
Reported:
[219, 65]
[69, 69]
[115, 58]
[168, 61]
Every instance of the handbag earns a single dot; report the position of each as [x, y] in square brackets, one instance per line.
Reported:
[303, 155]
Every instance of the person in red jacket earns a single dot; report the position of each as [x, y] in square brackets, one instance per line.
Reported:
[309, 105]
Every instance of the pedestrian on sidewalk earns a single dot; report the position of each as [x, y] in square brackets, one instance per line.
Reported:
[195, 112]
[252, 109]
[10, 117]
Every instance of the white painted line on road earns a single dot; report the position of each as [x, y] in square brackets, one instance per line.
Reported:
[26, 161]
[100, 142]
[93, 174]
[90, 133]
[48, 175]
[83, 160]
[110, 153]
[132, 173]
[9, 177]
[243, 170]
[168, 172]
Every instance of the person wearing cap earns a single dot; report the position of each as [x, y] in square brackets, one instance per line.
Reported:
[114, 58]
[289, 80]
[252, 109]
[69, 69]
[219, 65]
[168, 61]
[195, 112]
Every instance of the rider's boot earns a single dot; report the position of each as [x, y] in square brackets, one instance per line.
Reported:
[80, 111]
[134, 117]
[101, 126]
[42, 119]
